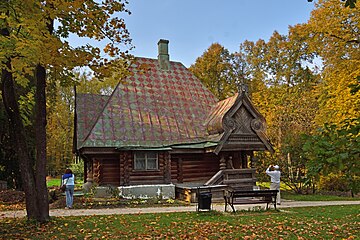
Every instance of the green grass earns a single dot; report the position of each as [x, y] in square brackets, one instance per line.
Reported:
[288, 194]
[315, 197]
[283, 186]
[54, 182]
[331, 222]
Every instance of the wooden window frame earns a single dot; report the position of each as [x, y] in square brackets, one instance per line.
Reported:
[146, 161]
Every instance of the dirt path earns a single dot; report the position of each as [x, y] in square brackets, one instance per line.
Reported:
[192, 208]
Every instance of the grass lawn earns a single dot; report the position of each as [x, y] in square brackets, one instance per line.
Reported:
[53, 182]
[56, 182]
[315, 197]
[330, 222]
[288, 194]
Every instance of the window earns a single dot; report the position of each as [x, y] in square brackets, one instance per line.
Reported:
[146, 161]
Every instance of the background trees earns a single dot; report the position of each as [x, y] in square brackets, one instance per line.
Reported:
[32, 48]
[332, 147]
[334, 152]
[213, 68]
[306, 83]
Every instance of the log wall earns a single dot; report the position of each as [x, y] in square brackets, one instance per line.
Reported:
[109, 171]
[194, 167]
[117, 169]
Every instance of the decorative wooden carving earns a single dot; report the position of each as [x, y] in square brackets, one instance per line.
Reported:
[229, 124]
[234, 138]
[243, 127]
[257, 125]
[229, 163]
[222, 163]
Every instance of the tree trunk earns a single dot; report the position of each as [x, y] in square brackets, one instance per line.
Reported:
[40, 139]
[36, 196]
[18, 133]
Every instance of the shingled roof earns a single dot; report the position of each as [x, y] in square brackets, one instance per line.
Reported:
[152, 108]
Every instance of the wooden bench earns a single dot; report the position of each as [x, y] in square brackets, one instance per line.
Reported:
[233, 196]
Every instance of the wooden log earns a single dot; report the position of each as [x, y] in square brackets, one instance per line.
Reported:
[180, 176]
[146, 179]
[239, 181]
[148, 182]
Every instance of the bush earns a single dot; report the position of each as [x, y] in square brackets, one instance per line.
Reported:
[78, 169]
[334, 182]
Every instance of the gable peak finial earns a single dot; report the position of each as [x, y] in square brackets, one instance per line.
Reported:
[242, 87]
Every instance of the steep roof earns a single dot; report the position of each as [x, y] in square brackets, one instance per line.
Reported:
[88, 107]
[239, 124]
[151, 108]
[214, 120]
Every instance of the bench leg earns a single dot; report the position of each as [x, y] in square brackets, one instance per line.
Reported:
[275, 201]
[232, 204]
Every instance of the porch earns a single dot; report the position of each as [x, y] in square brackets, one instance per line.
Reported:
[241, 179]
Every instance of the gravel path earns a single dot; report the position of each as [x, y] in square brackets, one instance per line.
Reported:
[192, 208]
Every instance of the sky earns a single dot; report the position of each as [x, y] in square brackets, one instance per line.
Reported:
[192, 26]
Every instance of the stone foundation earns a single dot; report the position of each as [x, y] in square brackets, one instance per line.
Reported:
[159, 191]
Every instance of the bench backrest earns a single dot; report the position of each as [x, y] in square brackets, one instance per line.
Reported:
[251, 193]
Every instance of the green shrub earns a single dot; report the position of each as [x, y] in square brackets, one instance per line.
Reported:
[78, 170]
[334, 182]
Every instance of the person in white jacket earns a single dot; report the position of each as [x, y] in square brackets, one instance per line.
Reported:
[274, 173]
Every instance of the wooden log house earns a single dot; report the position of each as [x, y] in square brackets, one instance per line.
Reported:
[161, 126]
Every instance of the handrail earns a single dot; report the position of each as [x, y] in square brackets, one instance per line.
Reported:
[214, 178]
[223, 175]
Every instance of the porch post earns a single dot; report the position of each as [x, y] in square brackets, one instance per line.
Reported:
[252, 159]
[222, 162]
[244, 161]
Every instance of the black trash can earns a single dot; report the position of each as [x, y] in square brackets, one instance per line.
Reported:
[204, 200]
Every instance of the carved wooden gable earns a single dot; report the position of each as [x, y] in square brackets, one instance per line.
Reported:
[241, 125]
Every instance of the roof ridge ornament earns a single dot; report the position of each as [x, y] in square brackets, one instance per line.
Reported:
[243, 87]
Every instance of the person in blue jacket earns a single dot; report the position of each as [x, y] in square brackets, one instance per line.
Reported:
[68, 179]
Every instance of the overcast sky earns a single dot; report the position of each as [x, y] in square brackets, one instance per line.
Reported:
[192, 26]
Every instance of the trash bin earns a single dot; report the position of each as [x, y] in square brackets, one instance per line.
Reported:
[204, 200]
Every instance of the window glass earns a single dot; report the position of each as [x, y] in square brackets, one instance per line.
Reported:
[152, 155]
[152, 164]
[140, 155]
[139, 164]
[146, 161]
